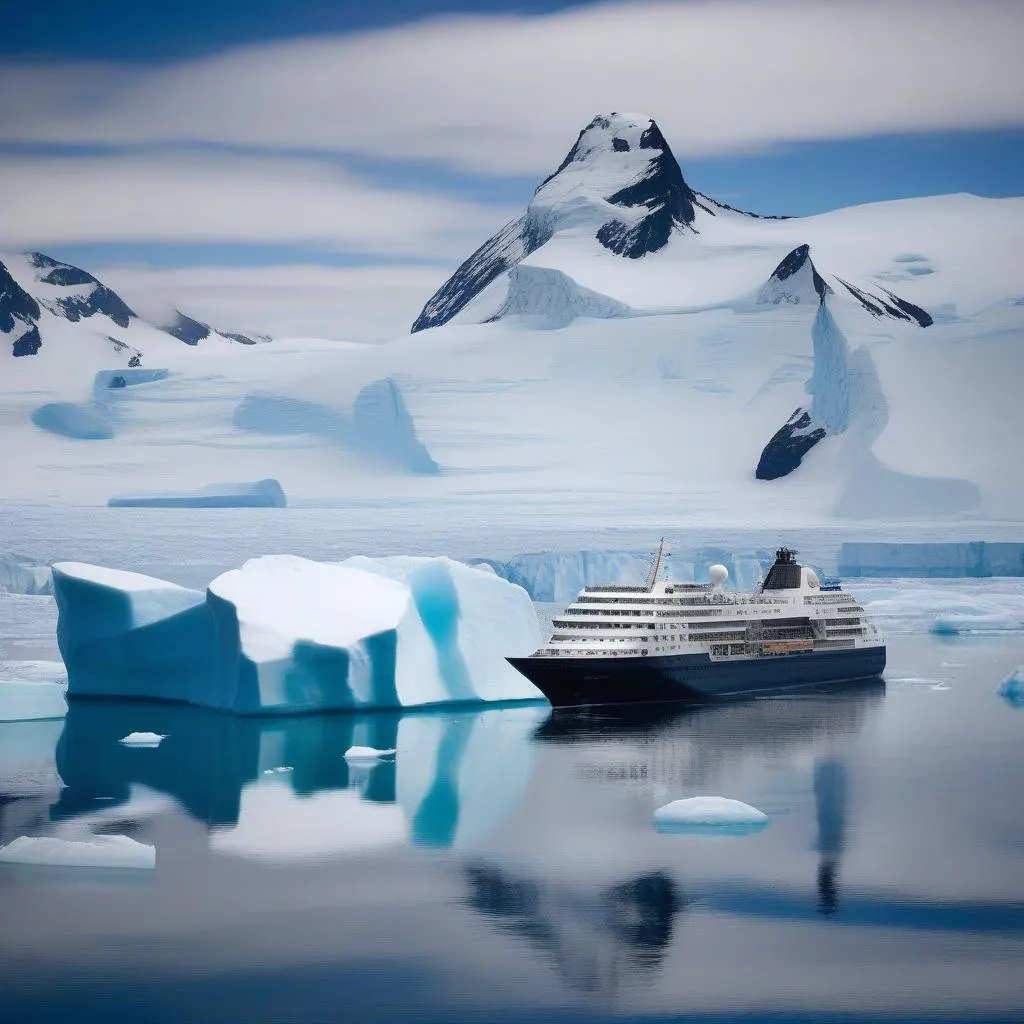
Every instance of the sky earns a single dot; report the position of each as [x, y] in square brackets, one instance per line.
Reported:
[381, 143]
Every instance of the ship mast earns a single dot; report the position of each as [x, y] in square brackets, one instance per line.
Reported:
[657, 564]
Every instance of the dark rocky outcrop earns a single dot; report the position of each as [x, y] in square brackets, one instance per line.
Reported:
[785, 451]
[891, 305]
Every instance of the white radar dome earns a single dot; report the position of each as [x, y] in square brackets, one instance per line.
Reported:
[811, 578]
[717, 575]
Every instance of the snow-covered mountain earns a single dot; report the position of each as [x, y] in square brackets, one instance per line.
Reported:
[628, 351]
[620, 190]
[40, 298]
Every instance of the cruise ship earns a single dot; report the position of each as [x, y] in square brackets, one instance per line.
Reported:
[666, 640]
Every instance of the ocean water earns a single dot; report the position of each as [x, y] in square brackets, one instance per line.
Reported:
[503, 865]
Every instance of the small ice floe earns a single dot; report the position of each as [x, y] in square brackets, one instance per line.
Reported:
[941, 686]
[24, 700]
[281, 769]
[1011, 689]
[368, 753]
[710, 816]
[97, 851]
[143, 739]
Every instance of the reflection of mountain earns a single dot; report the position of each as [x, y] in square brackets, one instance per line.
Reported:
[594, 938]
[454, 776]
[596, 895]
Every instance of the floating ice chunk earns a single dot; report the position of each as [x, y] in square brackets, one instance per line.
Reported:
[1011, 689]
[261, 494]
[367, 753]
[23, 700]
[709, 815]
[142, 739]
[96, 852]
[952, 624]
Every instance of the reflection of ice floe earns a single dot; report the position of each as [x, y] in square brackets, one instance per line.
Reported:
[27, 766]
[100, 851]
[367, 753]
[709, 815]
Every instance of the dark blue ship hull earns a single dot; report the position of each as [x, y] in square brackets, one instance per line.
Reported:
[569, 682]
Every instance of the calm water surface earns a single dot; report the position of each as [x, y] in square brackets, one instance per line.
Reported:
[504, 865]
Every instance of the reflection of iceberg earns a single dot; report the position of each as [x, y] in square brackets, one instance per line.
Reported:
[455, 775]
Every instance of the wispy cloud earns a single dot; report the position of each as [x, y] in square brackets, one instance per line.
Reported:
[211, 196]
[369, 304]
[503, 94]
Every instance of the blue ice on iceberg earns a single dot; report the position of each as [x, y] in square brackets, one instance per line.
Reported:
[261, 494]
[283, 634]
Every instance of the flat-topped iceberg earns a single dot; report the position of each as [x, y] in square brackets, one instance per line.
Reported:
[285, 634]
[99, 851]
[261, 494]
[23, 700]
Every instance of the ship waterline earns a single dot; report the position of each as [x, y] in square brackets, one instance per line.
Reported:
[671, 640]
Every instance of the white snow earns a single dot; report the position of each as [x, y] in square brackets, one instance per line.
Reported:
[284, 633]
[100, 851]
[650, 396]
[143, 739]
[708, 812]
[368, 753]
[23, 700]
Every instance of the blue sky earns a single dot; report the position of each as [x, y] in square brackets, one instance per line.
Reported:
[405, 132]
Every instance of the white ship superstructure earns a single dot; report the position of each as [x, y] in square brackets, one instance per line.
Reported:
[790, 612]
[669, 639]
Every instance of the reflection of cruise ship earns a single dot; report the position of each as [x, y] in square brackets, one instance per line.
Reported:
[622, 644]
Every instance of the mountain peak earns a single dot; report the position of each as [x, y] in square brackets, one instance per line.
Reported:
[619, 182]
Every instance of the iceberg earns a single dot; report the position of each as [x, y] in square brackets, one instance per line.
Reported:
[285, 634]
[23, 700]
[100, 851]
[19, 575]
[960, 622]
[1011, 689]
[261, 494]
[142, 739]
[709, 815]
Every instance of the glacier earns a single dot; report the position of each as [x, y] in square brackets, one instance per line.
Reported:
[284, 634]
[662, 313]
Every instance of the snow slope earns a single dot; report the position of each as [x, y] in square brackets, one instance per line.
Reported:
[627, 351]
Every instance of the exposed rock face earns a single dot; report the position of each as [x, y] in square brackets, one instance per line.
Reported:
[794, 281]
[785, 451]
[35, 287]
[892, 305]
[619, 160]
